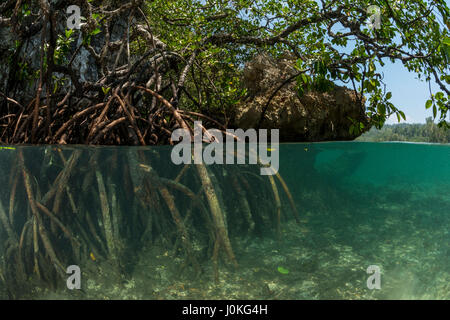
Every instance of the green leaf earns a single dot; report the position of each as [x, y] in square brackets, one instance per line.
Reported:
[381, 108]
[428, 104]
[283, 270]
[95, 31]
[447, 79]
[106, 90]
[304, 78]
[446, 41]
[69, 33]
[388, 95]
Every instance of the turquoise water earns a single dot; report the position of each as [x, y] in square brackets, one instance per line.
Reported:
[153, 236]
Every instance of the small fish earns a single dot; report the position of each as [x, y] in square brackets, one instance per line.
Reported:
[271, 149]
[7, 148]
[91, 255]
[306, 149]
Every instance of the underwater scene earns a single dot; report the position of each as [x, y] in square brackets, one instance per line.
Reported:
[340, 220]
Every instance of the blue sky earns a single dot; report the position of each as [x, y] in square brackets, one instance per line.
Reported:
[408, 93]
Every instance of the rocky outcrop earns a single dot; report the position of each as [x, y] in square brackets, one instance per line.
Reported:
[311, 116]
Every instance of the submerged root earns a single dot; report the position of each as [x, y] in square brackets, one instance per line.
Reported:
[64, 226]
[5, 221]
[106, 219]
[277, 203]
[243, 203]
[216, 212]
[289, 195]
[180, 226]
[38, 226]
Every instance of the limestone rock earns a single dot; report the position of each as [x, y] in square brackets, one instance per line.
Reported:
[313, 116]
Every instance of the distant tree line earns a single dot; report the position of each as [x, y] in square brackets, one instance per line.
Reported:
[414, 132]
